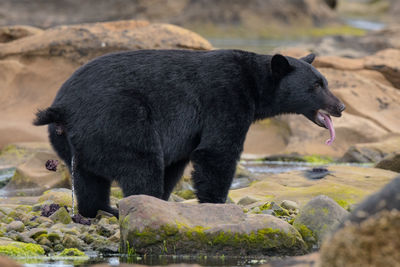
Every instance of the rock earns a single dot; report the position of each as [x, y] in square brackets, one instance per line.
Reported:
[347, 185]
[16, 226]
[387, 63]
[390, 162]
[24, 237]
[247, 16]
[60, 196]
[104, 228]
[388, 198]
[55, 53]
[104, 245]
[244, 201]
[289, 205]
[115, 237]
[11, 33]
[71, 241]
[36, 232]
[62, 216]
[373, 242]
[44, 241]
[372, 152]
[68, 252]
[152, 226]
[175, 198]
[240, 183]
[32, 178]
[318, 218]
[55, 236]
[18, 153]
[6, 262]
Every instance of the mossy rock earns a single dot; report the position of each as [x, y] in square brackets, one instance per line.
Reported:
[60, 196]
[62, 216]
[318, 218]
[69, 252]
[19, 249]
[159, 227]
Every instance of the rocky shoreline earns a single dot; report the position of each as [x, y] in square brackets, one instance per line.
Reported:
[275, 214]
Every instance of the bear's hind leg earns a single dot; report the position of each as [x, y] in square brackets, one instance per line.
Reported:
[93, 193]
[213, 174]
[144, 175]
[172, 175]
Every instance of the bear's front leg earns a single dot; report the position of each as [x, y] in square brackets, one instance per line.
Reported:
[213, 173]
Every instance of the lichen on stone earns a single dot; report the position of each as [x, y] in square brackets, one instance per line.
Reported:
[19, 249]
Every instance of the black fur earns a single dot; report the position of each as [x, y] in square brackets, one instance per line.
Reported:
[140, 117]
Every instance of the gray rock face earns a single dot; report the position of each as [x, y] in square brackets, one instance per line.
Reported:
[386, 199]
[318, 218]
[45, 13]
[152, 226]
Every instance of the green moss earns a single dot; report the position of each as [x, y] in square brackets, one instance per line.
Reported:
[186, 194]
[184, 239]
[61, 198]
[275, 32]
[19, 249]
[318, 159]
[54, 237]
[281, 212]
[113, 220]
[7, 220]
[265, 206]
[308, 235]
[13, 151]
[117, 192]
[335, 30]
[42, 235]
[343, 203]
[68, 252]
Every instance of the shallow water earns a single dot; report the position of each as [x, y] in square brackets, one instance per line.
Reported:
[363, 24]
[274, 167]
[115, 260]
[5, 175]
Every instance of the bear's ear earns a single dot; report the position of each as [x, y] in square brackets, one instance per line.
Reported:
[309, 59]
[280, 66]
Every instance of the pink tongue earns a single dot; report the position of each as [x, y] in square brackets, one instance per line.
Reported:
[329, 125]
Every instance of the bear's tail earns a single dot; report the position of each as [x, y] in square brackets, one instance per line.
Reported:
[47, 116]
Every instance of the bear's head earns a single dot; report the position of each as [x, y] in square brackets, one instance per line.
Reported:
[301, 89]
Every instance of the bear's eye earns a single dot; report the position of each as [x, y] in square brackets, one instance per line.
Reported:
[316, 86]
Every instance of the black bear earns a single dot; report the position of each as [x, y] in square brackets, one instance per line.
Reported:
[139, 117]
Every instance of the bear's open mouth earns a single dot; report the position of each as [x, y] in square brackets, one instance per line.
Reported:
[323, 119]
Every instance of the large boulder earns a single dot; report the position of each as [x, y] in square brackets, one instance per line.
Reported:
[374, 242]
[153, 226]
[370, 235]
[35, 63]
